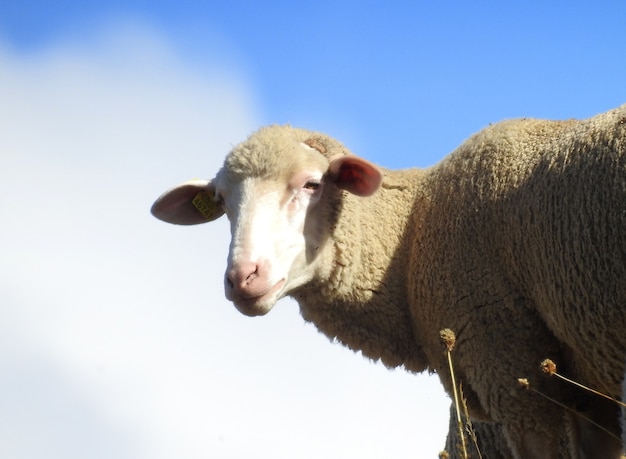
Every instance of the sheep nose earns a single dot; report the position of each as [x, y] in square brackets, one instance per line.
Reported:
[242, 279]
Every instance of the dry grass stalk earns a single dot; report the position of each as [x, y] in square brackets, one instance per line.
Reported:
[549, 367]
[468, 423]
[525, 384]
[449, 339]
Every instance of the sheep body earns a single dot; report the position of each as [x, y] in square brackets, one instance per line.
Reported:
[534, 214]
[516, 241]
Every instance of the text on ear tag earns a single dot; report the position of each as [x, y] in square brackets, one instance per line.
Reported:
[205, 205]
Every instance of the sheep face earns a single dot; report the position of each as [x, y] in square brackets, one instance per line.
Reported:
[275, 191]
[268, 241]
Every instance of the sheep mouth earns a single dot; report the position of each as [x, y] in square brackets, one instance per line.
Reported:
[261, 304]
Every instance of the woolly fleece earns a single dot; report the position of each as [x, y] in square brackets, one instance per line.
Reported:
[516, 241]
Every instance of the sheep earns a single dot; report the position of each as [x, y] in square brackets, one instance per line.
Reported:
[516, 241]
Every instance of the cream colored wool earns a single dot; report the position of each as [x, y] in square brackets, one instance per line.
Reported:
[516, 241]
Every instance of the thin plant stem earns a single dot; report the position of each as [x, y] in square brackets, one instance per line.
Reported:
[449, 338]
[525, 384]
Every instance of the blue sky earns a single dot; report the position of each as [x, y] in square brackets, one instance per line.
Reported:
[359, 65]
[115, 339]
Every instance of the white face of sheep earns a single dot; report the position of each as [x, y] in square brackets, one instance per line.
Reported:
[275, 220]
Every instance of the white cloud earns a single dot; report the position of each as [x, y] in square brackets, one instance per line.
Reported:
[115, 339]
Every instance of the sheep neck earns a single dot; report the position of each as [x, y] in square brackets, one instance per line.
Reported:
[360, 295]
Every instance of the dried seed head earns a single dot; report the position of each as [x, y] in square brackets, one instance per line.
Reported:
[448, 337]
[548, 366]
[523, 382]
[444, 455]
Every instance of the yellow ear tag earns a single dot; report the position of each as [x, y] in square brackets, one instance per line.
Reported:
[206, 206]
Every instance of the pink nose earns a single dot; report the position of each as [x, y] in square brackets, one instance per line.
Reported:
[245, 280]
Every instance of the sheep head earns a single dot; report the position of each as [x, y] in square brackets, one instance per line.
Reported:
[275, 189]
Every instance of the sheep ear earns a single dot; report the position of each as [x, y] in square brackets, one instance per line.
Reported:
[189, 203]
[356, 175]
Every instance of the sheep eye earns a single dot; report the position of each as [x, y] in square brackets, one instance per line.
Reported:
[311, 185]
